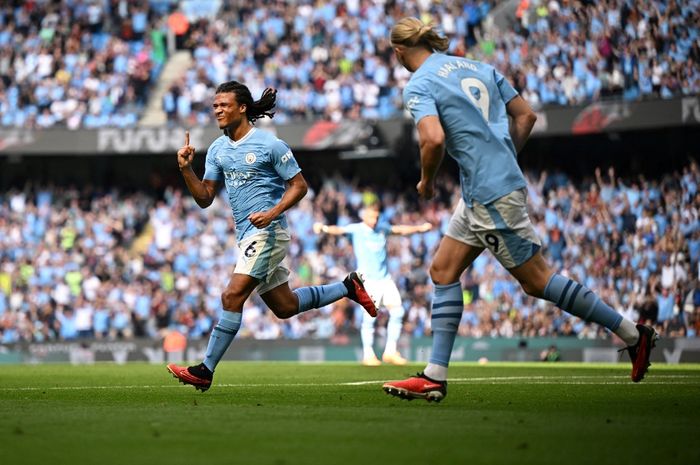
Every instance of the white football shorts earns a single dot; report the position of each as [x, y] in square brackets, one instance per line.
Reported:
[502, 226]
[384, 292]
[261, 257]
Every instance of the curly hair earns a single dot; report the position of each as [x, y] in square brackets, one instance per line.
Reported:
[255, 109]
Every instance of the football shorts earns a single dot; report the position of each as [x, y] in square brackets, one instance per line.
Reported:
[261, 257]
[502, 226]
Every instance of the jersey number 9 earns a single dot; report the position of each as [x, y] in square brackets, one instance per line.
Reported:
[482, 103]
[492, 241]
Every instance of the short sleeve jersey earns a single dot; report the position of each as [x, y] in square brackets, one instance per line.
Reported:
[369, 245]
[469, 98]
[254, 170]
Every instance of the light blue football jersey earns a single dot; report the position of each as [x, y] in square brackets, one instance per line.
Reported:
[369, 246]
[470, 99]
[255, 170]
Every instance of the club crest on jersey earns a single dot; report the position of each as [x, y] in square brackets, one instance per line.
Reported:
[250, 158]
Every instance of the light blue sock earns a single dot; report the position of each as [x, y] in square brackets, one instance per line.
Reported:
[448, 305]
[580, 301]
[221, 337]
[319, 296]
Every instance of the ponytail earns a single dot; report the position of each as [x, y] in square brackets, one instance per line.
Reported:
[411, 32]
[262, 107]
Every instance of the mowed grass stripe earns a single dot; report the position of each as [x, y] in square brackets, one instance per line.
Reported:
[657, 379]
[289, 413]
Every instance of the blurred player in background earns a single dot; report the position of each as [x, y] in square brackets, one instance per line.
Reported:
[369, 244]
[263, 180]
[463, 106]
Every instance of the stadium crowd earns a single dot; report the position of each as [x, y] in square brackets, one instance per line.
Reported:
[78, 63]
[92, 63]
[335, 61]
[571, 52]
[116, 265]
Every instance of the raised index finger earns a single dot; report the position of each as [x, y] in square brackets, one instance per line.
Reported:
[187, 138]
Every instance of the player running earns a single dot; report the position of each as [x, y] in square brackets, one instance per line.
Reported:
[369, 244]
[462, 106]
[263, 180]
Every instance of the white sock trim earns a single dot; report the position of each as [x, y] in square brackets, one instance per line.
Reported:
[436, 372]
[628, 332]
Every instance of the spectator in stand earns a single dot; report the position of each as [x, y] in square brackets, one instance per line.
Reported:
[335, 62]
[62, 250]
[92, 63]
[73, 64]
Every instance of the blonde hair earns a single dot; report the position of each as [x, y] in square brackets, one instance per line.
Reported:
[411, 32]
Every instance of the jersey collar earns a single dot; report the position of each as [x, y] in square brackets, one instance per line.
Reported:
[236, 143]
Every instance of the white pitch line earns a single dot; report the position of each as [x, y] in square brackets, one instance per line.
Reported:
[532, 379]
[655, 379]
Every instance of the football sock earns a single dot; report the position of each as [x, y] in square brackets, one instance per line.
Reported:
[628, 332]
[221, 337]
[393, 329]
[435, 372]
[446, 313]
[367, 335]
[319, 296]
[580, 301]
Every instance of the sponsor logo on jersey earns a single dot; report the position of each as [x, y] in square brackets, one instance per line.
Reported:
[286, 157]
[237, 178]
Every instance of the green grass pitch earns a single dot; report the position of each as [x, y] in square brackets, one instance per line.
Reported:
[287, 413]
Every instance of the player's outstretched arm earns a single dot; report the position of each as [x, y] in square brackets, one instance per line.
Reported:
[329, 229]
[431, 138]
[296, 190]
[406, 229]
[203, 192]
[523, 121]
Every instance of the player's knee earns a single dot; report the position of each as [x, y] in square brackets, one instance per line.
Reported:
[232, 300]
[396, 312]
[441, 275]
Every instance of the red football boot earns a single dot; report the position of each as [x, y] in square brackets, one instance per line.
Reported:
[357, 292]
[417, 387]
[198, 376]
[641, 351]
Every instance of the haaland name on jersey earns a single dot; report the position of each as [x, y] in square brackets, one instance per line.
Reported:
[447, 68]
[470, 100]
